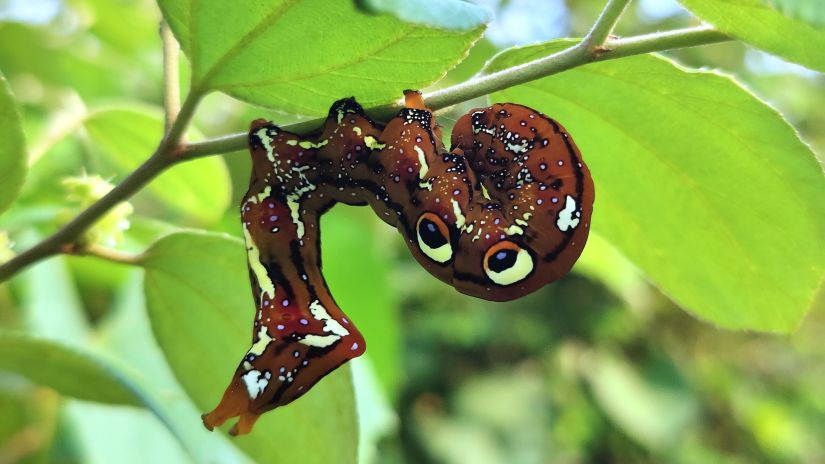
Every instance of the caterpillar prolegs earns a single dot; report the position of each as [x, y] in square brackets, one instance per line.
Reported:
[504, 212]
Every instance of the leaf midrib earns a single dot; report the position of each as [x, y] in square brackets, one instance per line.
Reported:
[354, 60]
[257, 30]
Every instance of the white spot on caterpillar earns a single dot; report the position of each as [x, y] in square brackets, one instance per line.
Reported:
[254, 258]
[306, 144]
[484, 191]
[292, 199]
[295, 213]
[459, 215]
[568, 216]
[520, 148]
[321, 341]
[264, 339]
[373, 144]
[266, 141]
[514, 230]
[256, 382]
[422, 162]
[331, 326]
[320, 313]
[260, 197]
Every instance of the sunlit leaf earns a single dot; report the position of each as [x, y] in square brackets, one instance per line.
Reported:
[52, 307]
[12, 150]
[127, 137]
[756, 23]
[301, 55]
[197, 292]
[448, 14]
[704, 187]
[127, 336]
[120, 426]
[68, 370]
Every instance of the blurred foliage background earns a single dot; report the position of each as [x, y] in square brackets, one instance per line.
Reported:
[598, 367]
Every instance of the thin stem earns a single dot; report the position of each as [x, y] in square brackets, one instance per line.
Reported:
[170, 146]
[171, 78]
[564, 60]
[660, 41]
[108, 254]
[163, 157]
[604, 24]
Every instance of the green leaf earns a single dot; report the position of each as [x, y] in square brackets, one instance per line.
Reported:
[120, 426]
[810, 11]
[70, 371]
[703, 186]
[756, 23]
[357, 268]
[13, 162]
[197, 292]
[127, 336]
[301, 55]
[447, 14]
[127, 137]
[51, 304]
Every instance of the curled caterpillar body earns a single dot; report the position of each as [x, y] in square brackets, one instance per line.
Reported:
[503, 213]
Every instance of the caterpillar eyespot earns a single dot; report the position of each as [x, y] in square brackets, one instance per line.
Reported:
[434, 238]
[507, 263]
[504, 212]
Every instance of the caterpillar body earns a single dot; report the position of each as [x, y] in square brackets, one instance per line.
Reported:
[504, 212]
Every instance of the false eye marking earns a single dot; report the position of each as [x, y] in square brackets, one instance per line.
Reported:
[569, 215]
[518, 153]
[434, 238]
[506, 263]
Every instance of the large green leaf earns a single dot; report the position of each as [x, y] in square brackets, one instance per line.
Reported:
[707, 189]
[127, 136]
[12, 150]
[68, 370]
[301, 55]
[197, 292]
[757, 23]
[127, 336]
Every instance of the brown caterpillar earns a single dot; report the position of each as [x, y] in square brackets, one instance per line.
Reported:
[503, 213]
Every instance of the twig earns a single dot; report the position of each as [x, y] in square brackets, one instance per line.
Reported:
[564, 60]
[108, 254]
[171, 78]
[596, 47]
[163, 157]
[604, 25]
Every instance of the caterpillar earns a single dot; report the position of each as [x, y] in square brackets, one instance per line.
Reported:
[504, 212]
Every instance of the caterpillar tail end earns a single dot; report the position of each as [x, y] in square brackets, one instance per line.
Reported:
[233, 404]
